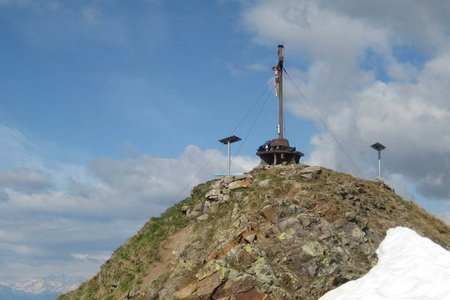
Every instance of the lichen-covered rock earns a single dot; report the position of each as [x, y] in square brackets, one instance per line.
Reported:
[313, 249]
[263, 271]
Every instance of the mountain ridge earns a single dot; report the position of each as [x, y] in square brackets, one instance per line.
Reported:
[39, 288]
[55, 284]
[276, 232]
[9, 293]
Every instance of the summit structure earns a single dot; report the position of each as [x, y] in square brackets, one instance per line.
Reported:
[277, 151]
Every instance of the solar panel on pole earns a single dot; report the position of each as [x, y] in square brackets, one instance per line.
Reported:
[228, 141]
[379, 147]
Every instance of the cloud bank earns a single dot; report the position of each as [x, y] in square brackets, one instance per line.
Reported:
[67, 218]
[375, 71]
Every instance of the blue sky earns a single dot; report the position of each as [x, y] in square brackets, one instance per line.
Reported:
[129, 74]
[108, 110]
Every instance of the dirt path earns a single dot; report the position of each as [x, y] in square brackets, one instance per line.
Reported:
[169, 251]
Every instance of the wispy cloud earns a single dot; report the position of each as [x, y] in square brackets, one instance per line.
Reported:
[28, 181]
[96, 258]
[91, 14]
[15, 2]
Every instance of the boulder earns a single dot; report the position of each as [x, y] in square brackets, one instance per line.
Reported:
[213, 195]
[203, 217]
[240, 285]
[270, 211]
[239, 184]
[288, 224]
[311, 169]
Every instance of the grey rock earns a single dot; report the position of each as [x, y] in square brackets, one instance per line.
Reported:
[367, 249]
[227, 179]
[313, 249]
[350, 216]
[213, 194]
[311, 169]
[235, 212]
[198, 207]
[288, 224]
[195, 211]
[264, 183]
[243, 177]
[357, 233]
[184, 209]
[234, 185]
[203, 217]
[307, 175]
[363, 223]
[304, 220]
[263, 271]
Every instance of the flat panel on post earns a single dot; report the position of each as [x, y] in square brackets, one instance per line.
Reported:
[230, 139]
[377, 146]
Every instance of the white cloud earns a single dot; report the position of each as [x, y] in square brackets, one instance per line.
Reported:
[27, 181]
[393, 99]
[62, 204]
[130, 189]
[96, 258]
[409, 21]
[16, 150]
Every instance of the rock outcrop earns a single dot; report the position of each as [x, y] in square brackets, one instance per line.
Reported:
[278, 232]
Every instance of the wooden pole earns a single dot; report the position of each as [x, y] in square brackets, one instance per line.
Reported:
[280, 92]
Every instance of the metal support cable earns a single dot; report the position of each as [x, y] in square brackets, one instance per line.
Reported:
[253, 124]
[306, 100]
[262, 94]
[197, 174]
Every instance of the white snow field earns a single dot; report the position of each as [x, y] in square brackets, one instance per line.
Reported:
[410, 267]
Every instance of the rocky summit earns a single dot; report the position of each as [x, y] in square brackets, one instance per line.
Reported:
[277, 232]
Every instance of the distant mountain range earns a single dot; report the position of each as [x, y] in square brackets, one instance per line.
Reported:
[8, 293]
[45, 288]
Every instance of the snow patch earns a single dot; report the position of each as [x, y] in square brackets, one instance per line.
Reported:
[409, 267]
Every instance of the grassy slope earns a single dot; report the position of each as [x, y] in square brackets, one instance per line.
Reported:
[129, 262]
